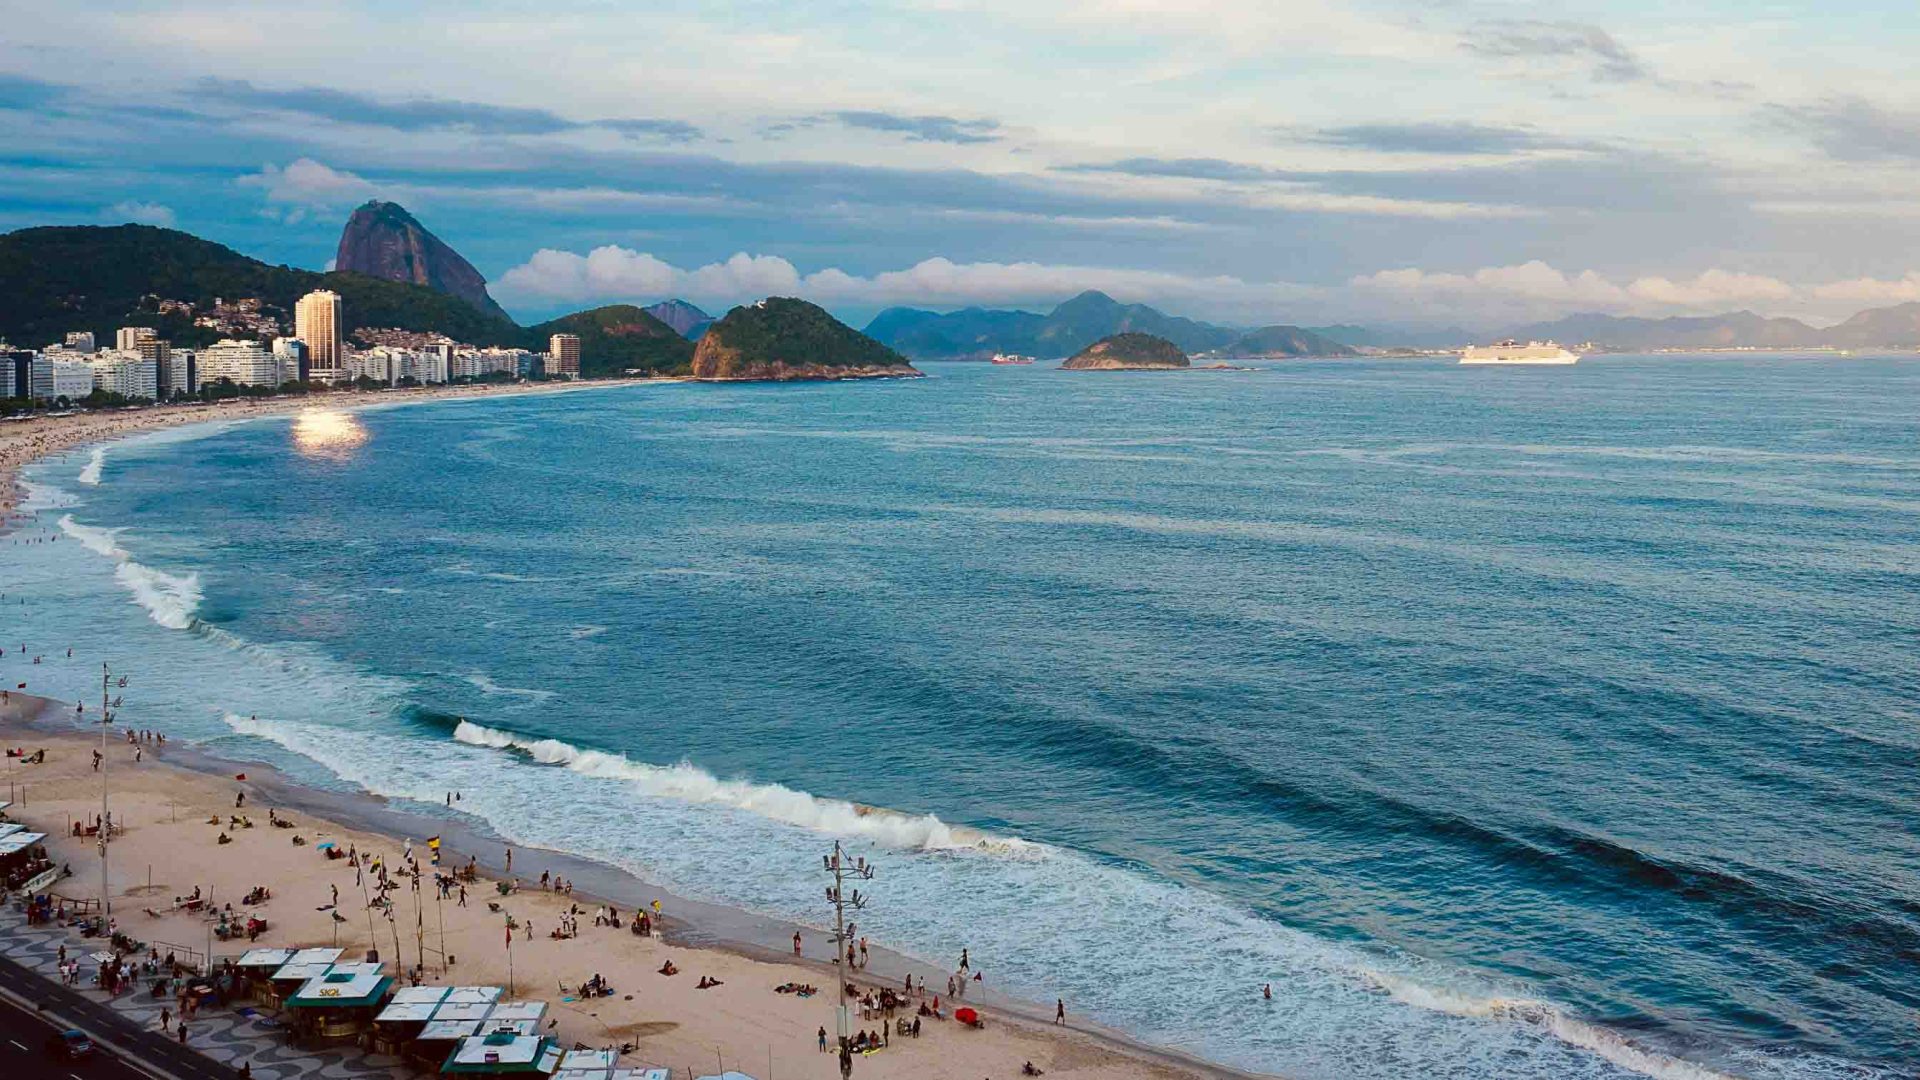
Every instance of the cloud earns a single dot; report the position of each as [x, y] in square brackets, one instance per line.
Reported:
[1852, 129]
[1540, 39]
[139, 213]
[936, 129]
[308, 184]
[427, 114]
[1438, 138]
[1536, 289]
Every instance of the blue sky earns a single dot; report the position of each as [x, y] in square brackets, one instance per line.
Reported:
[1461, 162]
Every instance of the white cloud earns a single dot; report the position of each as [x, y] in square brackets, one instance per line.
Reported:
[1487, 296]
[309, 184]
[140, 213]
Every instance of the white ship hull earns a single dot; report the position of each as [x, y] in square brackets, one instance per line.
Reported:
[1509, 352]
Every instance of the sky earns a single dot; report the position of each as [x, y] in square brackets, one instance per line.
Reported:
[1452, 162]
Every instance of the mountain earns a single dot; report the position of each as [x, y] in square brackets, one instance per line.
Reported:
[1696, 331]
[1896, 325]
[1397, 337]
[100, 278]
[383, 241]
[781, 338]
[1285, 341]
[968, 334]
[977, 333]
[619, 338]
[687, 321]
[1128, 352]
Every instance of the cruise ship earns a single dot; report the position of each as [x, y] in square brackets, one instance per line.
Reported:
[1011, 358]
[1512, 352]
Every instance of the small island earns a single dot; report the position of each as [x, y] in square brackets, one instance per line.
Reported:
[783, 339]
[1128, 352]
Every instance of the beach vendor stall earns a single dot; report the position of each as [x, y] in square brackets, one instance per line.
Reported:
[503, 1055]
[254, 971]
[341, 1003]
[24, 865]
[409, 1010]
[300, 967]
[602, 1065]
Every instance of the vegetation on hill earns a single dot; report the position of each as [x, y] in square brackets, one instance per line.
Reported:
[784, 338]
[978, 333]
[619, 338]
[1129, 351]
[1285, 341]
[57, 279]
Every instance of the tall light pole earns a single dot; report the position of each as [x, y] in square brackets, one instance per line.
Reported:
[106, 718]
[840, 868]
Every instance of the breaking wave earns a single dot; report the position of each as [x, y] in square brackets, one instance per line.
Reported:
[170, 599]
[687, 782]
[90, 473]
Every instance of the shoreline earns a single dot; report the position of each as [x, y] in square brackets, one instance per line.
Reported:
[699, 933]
[23, 442]
[711, 927]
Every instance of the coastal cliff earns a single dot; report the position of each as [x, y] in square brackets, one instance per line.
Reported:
[784, 339]
[1128, 352]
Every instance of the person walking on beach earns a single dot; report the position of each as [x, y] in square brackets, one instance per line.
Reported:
[1060, 1010]
[463, 896]
[796, 952]
[823, 1038]
[964, 965]
[509, 860]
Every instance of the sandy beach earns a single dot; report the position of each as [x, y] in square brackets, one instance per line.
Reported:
[174, 804]
[37, 436]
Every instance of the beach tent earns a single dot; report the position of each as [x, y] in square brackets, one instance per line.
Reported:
[966, 1016]
[525, 1055]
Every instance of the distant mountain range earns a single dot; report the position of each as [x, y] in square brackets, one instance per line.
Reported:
[688, 321]
[979, 333]
[1896, 326]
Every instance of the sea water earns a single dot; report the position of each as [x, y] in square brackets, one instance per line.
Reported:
[1508, 722]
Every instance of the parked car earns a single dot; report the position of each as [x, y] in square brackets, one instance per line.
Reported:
[69, 1046]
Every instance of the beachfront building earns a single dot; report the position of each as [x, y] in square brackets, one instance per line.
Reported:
[477, 363]
[317, 320]
[80, 340]
[126, 373]
[340, 1002]
[295, 364]
[243, 363]
[52, 378]
[563, 355]
[181, 370]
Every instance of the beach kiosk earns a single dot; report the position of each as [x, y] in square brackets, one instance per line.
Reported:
[255, 968]
[24, 865]
[503, 1055]
[341, 1003]
[409, 1010]
[303, 965]
[602, 1065]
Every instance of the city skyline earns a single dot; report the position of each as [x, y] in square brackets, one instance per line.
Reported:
[1325, 162]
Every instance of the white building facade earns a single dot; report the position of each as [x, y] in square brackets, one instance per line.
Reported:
[244, 363]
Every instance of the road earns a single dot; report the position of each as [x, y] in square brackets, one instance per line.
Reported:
[23, 1035]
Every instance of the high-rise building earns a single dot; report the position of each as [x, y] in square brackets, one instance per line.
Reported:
[128, 338]
[80, 340]
[182, 371]
[295, 364]
[244, 363]
[16, 379]
[317, 321]
[565, 351]
[52, 378]
[158, 351]
[128, 374]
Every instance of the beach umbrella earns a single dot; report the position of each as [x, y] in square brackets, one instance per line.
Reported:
[966, 1016]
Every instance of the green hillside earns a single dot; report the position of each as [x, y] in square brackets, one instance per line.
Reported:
[618, 337]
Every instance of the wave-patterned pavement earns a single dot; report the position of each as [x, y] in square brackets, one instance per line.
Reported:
[222, 1035]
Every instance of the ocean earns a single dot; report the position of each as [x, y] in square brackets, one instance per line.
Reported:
[1516, 723]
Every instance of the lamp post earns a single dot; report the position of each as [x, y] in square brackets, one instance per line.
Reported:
[840, 868]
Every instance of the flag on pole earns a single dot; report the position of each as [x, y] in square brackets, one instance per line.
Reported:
[433, 845]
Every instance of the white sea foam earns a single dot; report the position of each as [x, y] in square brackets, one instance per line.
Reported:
[482, 682]
[1547, 1019]
[170, 599]
[687, 782]
[90, 473]
[581, 633]
[44, 496]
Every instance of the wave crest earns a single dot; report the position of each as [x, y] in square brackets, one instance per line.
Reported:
[90, 473]
[687, 782]
[171, 600]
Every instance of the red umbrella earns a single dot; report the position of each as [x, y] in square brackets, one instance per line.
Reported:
[966, 1016]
